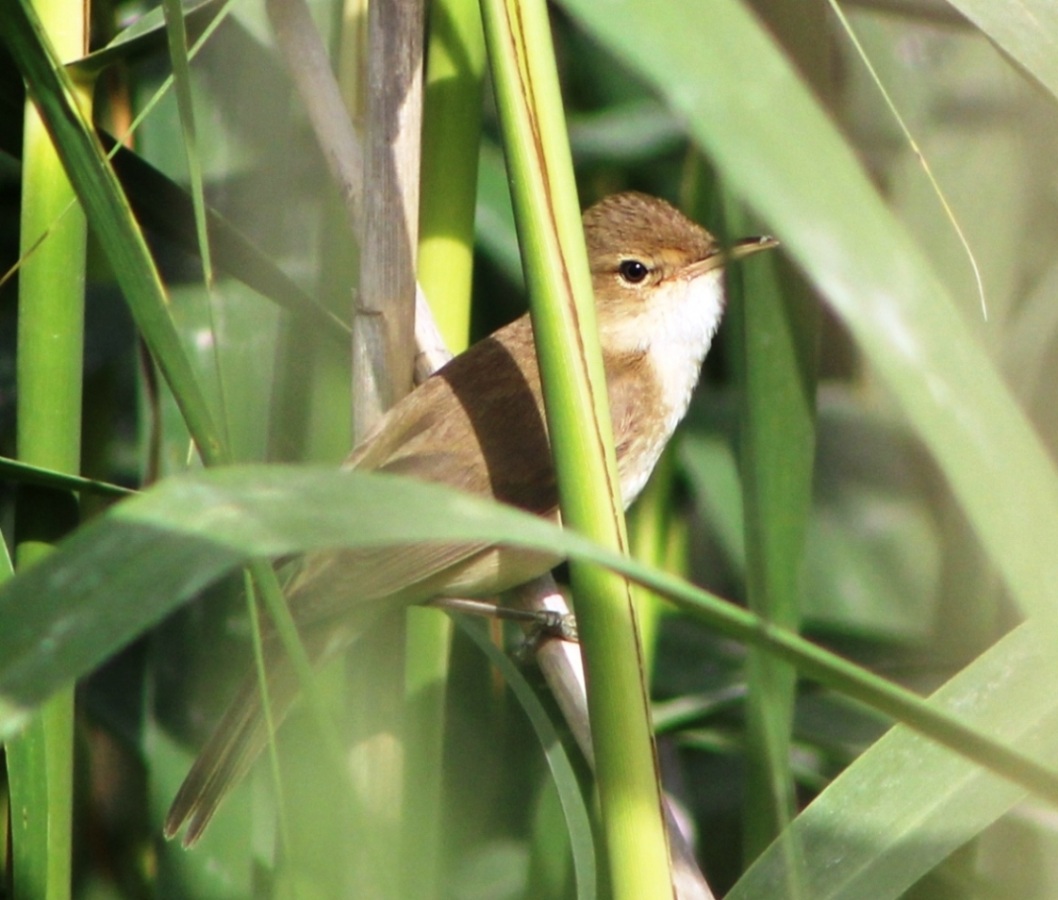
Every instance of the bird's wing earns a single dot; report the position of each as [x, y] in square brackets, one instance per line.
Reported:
[331, 583]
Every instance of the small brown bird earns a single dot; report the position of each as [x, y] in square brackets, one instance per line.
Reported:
[478, 425]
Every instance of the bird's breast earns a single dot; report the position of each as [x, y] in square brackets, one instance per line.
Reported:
[653, 374]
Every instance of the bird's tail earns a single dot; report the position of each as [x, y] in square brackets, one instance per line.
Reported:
[235, 743]
[241, 735]
[328, 623]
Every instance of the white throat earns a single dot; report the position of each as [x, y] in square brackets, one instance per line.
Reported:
[683, 318]
[688, 314]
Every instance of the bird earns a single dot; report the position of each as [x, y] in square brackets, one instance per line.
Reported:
[478, 425]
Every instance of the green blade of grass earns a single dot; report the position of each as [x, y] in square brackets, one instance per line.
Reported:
[777, 332]
[176, 33]
[110, 216]
[125, 570]
[775, 349]
[41, 476]
[166, 209]
[1025, 29]
[145, 36]
[178, 57]
[905, 805]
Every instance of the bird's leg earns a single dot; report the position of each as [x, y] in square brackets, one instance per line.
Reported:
[539, 623]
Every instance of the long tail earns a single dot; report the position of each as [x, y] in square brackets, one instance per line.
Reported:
[243, 732]
[379, 579]
[237, 740]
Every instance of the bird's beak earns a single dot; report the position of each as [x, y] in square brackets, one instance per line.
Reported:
[722, 256]
[748, 246]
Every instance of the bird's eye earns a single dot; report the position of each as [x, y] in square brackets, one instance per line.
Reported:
[633, 271]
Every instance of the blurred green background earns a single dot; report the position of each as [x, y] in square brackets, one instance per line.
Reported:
[892, 572]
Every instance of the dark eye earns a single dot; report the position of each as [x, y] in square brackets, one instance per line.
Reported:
[633, 271]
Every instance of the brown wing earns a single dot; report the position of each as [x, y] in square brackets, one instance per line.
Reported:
[477, 425]
[479, 433]
[484, 434]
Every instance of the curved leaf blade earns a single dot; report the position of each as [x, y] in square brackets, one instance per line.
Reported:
[120, 573]
[906, 804]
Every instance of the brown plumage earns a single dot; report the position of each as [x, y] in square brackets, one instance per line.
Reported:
[478, 425]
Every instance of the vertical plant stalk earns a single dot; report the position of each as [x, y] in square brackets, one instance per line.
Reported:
[778, 333]
[524, 73]
[382, 373]
[50, 351]
[384, 312]
[455, 72]
[451, 139]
